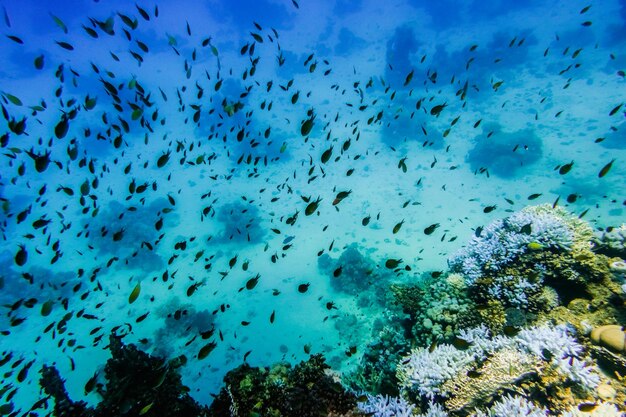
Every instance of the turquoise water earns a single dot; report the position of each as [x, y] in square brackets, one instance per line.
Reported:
[250, 167]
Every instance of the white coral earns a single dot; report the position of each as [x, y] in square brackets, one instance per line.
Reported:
[386, 406]
[510, 406]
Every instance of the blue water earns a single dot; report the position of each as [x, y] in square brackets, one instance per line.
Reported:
[427, 112]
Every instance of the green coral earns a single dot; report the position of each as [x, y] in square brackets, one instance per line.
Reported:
[438, 307]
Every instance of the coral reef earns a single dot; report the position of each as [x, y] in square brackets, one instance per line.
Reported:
[482, 366]
[376, 372]
[135, 384]
[532, 262]
[612, 242]
[353, 273]
[437, 307]
[306, 390]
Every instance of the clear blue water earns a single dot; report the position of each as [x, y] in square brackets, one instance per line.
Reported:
[426, 112]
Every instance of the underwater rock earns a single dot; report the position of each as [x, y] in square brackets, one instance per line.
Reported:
[610, 336]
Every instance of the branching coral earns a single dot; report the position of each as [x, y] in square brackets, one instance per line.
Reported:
[488, 364]
[503, 241]
[386, 406]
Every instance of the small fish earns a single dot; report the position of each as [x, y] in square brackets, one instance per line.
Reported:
[146, 408]
[436, 110]
[272, 316]
[21, 256]
[307, 125]
[163, 159]
[397, 227]
[302, 288]
[326, 155]
[252, 282]
[312, 207]
[534, 196]
[392, 263]
[206, 350]
[430, 229]
[134, 293]
[65, 45]
[489, 209]
[526, 229]
[564, 169]
[535, 246]
[605, 169]
[46, 308]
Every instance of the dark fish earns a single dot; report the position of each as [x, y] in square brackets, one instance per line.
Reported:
[46, 308]
[302, 288]
[252, 282]
[430, 229]
[534, 196]
[615, 110]
[16, 39]
[307, 125]
[605, 169]
[489, 209]
[566, 168]
[65, 45]
[572, 198]
[397, 227]
[39, 61]
[60, 130]
[366, 220]
[327, 154]
[337, 272]
[461, 344]
[436, 110]
[91, 383]
[206, 350]
[21, 256]
[526, 229]
[117, 236]
[392, 263]
[272, 316]
[312, 207]
[163, 159]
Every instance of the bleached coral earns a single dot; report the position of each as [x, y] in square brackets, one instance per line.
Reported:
[513, 291]
[510, 406]
[386, 406]
[560, 348]
[425, 371]
[504, 240]
[428, 372]
[434, 410]
[556, 340]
